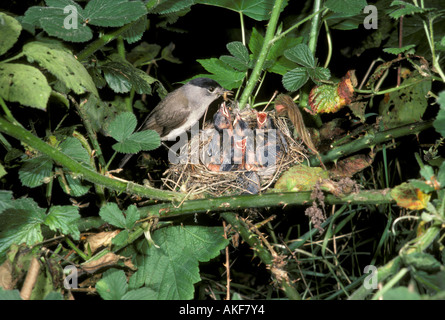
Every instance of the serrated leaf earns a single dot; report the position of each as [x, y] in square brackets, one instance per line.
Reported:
[226, 76]
[171, 6]
[121, 76]
[76, 186]
[127, 146]
[35, 171]
[256, 9]
[302, 55]
[238, 50]
[21, 220]
[62, 64]
[235, 63]
[113, 285]
[139, 294]
[427, 172]
[136, 31]
[148, 139]
[132, 215]
[10, 30]
[346, 6]
[295, 79]
[113, 215]
[319, 73]
[167, 54]
[122, 126]
[63, 219]
[172, 269]
[24, 84]
[113, 13]
[62, 18]
[74, 149]
[406, 9]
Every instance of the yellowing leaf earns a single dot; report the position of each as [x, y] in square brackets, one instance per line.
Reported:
[409, 197]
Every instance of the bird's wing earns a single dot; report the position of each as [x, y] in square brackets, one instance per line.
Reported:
[167, 115]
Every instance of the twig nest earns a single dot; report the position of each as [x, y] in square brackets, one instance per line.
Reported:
[239, 152]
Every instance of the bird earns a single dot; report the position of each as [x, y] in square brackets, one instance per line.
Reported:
[181, 109]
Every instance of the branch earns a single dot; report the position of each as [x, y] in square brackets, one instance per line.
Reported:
[267, 43]
[228, 203]
[114, 184]
[369, 140]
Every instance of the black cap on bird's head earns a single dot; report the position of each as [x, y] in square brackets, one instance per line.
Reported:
[205, 83]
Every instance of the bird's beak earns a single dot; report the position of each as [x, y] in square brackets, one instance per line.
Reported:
[226, 93]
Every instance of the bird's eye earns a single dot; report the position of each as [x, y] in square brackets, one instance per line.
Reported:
[211, 89]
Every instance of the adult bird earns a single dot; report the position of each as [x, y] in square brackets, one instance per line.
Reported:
[181, 109]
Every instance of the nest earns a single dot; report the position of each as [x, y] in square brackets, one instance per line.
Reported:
[198, 175]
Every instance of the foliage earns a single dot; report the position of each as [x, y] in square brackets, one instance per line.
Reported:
[87, 85]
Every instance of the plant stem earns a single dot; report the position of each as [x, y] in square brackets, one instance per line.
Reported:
[118, 185]
[369, 140]
[267, 43]
[313, 34]
[261, 250]
[76, 249]
[227, 203]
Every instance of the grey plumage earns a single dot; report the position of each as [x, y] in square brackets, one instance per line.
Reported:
[181, 109]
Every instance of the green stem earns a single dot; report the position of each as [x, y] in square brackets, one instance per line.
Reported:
[369, 140]
[267, 43]
[260, 250]
[313, 34]
[88, 174]
[76, 249]
[228, 203]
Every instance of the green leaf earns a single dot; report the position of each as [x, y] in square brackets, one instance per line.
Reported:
[427, 172]
[406, 9]
[113, 215]
[132, 215]
[238, 50]
[21, 220]
[62, 64]
[439, 123]
[147, 140]
[74, 149]
[24, 84]
[256, 9]
[76, 185]
[302, 55]
[319, 73]
[226, 76]
[346, 6]
[10, 30]
[67, 24]
[171, 6]
[139, 294]
[295, 79]
[136, 31]
[113, 285]
[36, 171]
[400, 293]
[406, 105]
[235, 63]
[63, 219]
[172, 269]
[143, 53]
[122, 126]
[167, 54]
[422, 261]
[113, 13]
[398, 51]
[441, 175]
[121, 76]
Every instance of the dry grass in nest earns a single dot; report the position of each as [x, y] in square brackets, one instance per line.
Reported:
[196, 178]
